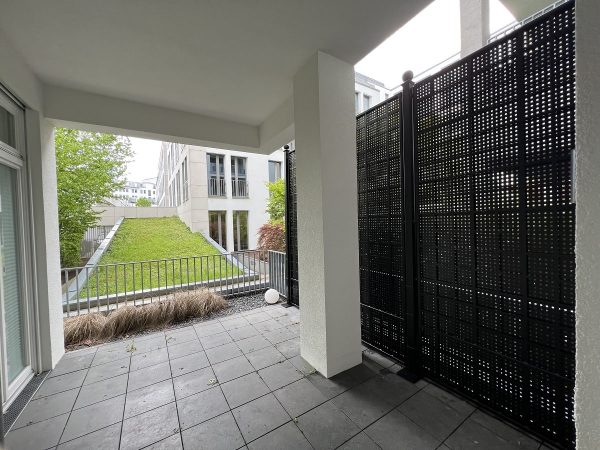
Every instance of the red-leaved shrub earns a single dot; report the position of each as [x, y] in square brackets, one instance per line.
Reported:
[271, 236]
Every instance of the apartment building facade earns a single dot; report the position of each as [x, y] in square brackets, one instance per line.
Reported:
[133, 190]
[221, 193]
[368, 92]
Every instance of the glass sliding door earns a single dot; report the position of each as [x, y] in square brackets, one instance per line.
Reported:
[240, 230]
[218, 227]
[16, 355]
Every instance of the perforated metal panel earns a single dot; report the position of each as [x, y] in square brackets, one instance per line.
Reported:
[291, 221]
[381, 227]
[493, 136]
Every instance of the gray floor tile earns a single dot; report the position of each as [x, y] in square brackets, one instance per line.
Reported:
[170, 443]
[276, 311]
[436, 417]
[80, 352]
[220, 433]
[361, 442]
[300, 363]
[232, 368]
[144, 337]
[38, 436]
[299, 397]
[201, 407]
[186, 335]
[203, 330]
[244, 389]
[173, 331]
[268, 326]
[67, 365]
[238, 334]
[150, 397]
[223, 353]
[108, 370]
[103, 390]
[288, 320]
[369, 401]
[287, 436]
[279, 375]
[395, 427]
[142, 378]
[252, 344]
[187, 348]
[216, 340]
[257, 317]
[149, 359]
[260, 416]
[94, 417]
[378, 358]
[330, 387]
[472, 435]
[104, 439]
[326, 427]
[451, 400]
[47, 407]
[61, 383]
[279, 335]
[506, 432]
[150, 427]
[234, 323]
[189, 363]
[289, 348]
[265, 357]
[149, 345]
[194, 382]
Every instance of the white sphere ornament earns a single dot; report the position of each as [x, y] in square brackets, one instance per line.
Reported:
[271, 296]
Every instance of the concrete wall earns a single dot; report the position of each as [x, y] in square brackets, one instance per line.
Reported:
[110, 214]
[587, 242]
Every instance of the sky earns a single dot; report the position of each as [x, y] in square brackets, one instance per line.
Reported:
[412, 47]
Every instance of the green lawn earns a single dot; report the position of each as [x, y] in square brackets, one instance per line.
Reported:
[163, 242]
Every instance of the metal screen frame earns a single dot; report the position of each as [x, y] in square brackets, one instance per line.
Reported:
[291, 228]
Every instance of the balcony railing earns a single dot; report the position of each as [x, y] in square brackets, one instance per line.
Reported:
[109, 286]
[239, 188]
[216, 187]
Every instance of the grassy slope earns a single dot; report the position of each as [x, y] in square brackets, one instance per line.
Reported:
[156, 239]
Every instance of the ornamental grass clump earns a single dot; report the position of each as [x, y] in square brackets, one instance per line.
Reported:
[184, 305]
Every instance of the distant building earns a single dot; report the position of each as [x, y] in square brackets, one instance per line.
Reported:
[368, 92]
[133, 190]
[219, 192]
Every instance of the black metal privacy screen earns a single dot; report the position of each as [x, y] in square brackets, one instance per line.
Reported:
[291, 228]
[489, 143]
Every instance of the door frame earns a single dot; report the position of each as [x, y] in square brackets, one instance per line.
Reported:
[15, 158]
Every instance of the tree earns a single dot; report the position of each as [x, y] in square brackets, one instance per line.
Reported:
[90, 168]
[276, 201]
[143, 202]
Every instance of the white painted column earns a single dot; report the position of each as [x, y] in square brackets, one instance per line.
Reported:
[42, 168]
[587, 242]
[327, 214]
[474, 25]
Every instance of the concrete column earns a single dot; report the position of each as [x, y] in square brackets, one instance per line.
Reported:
[474, 25]
[587, 241]
[327, 214]
[41, 160]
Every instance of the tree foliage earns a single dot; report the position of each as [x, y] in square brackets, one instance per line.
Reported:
[271, 236]
[276, 201]
[143, 202]
[90, 167]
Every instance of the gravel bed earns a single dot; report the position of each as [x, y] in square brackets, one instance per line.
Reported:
[237, 304]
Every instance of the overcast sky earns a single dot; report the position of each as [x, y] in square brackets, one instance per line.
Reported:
[428, 39]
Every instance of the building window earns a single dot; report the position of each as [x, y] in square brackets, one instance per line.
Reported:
[357, 102]
[178, 187]
[184, 180]
[239, 184]
[366, 102]
[240, 230]
[216, 176]
[274, 171]
[217, 226]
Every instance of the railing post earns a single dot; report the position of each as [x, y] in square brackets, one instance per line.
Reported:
[412, 370]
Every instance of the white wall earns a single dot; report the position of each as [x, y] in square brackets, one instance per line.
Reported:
[587, 241]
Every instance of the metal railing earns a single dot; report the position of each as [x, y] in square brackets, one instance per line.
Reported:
[109, 286]
[239, 188]
[216, 187]
[277, 275]
[92, 239]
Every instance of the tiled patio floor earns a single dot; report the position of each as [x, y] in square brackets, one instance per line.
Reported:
[239, 382]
